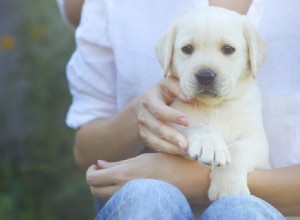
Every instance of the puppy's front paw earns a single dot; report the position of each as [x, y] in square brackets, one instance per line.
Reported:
[209, 149]
[225, 183]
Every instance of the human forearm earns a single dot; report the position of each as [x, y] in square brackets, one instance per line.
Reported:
[146, 117]
[189, 176]
[280, 187]
[110, 139]
[73, 11]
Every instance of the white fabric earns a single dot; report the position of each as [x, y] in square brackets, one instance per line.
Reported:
[115, 61]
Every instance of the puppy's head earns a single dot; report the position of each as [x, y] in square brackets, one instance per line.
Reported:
[211, 51]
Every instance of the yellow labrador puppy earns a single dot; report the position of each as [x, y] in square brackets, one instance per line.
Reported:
[215, 53]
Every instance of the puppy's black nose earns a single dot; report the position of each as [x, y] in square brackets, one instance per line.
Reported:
[205, 77]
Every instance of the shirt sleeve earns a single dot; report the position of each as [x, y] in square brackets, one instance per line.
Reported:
[91, 70]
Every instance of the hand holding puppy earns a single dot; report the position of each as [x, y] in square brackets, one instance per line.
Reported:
[154, 116]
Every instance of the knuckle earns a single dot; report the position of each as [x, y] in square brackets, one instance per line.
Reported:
[155, 112]
[143, 135]
[90, 179]
[145, 102]
[173, 138]
[157, 146]
[141, 118]
[158, 130]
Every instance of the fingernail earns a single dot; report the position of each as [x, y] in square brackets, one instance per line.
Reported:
[183, 120]
[103, 163]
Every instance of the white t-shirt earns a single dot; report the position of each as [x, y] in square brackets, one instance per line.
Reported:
[115, 61]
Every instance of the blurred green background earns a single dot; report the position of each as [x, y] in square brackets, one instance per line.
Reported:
[38, 175]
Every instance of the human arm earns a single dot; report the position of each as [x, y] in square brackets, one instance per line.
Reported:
[73, 11]
[119, 137]
[70, 11]
[112, 139]
[280, 187]
[103, 131]
[189, 176]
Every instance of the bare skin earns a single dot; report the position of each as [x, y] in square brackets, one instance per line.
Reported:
[280, 187]
[73, 11]
[145, 117]
[240, 6]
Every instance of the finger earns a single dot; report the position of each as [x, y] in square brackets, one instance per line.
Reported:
[165, 131]
[163, 112]
[159, 144]
[102, 164]
[92, 168]
[102, 177]
[113, 174]
[104, 192]
[171, 88]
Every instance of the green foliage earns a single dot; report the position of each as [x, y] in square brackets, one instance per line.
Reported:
[38, 175]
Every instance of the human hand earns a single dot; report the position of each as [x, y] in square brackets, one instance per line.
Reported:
[154, 116]
[189, 176]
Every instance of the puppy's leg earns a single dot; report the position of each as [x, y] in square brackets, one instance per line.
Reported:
[231, 179]
[206, 146]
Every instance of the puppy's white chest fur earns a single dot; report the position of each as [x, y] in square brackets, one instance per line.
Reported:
[230, 119]
[228, 136]
[218, 118]
[215, 54]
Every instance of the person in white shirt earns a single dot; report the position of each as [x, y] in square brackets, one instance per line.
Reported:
[120, 99]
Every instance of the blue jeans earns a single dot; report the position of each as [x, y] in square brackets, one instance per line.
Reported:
[149, 199]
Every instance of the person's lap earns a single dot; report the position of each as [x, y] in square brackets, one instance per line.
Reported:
[149, 199]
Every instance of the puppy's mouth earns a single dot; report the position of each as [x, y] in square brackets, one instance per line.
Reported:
[194, 90]
[207, 92]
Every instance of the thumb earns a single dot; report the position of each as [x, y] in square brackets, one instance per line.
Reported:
[171, 90]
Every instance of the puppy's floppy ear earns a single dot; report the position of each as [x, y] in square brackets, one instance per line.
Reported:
[257, 48]
[164, 49]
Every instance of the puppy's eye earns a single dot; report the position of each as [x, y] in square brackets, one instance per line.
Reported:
[228, 50]
[188, 49]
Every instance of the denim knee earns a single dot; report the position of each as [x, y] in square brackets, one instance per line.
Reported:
[148, 189]
[147, 199]
[241, 207]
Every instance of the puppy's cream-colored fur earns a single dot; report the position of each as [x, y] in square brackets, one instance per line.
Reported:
[226, 129]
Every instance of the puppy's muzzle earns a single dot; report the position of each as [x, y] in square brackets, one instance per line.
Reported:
[205, 78]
